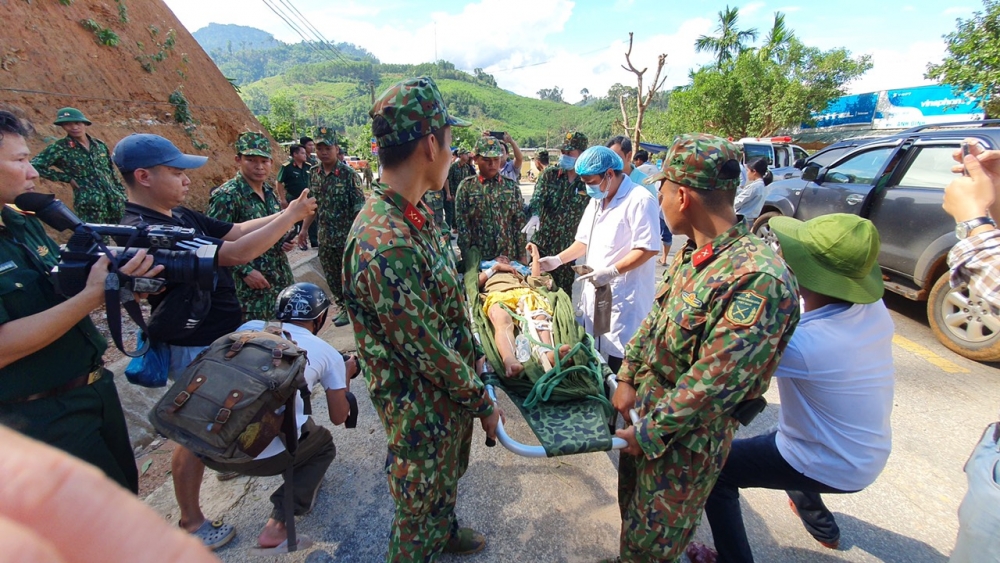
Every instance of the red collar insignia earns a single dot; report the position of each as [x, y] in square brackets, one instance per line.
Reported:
[72, 143]
[414, 216]
[702, 256]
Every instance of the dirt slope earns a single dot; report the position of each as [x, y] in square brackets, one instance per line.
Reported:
[48, 60]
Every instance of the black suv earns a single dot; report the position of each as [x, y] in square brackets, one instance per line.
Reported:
[823, 157]
[898, 183]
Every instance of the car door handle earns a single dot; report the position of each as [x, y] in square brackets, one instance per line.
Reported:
[855, 199]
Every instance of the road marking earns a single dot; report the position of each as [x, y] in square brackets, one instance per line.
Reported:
[917, 349]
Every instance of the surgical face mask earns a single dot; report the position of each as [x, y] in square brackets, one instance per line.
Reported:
[566, 162]
[594, 190]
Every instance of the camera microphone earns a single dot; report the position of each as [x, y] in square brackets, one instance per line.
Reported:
[49, 210]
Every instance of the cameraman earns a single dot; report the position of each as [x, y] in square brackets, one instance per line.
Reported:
[53, 386]
[156, 182]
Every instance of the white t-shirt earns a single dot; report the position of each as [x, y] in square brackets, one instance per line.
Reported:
[325, 366]
[629, 221]
[750, 199]
[648, 169]
[836, 383]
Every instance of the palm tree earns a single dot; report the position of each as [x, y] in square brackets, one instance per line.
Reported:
[778, 40]
[729, 41]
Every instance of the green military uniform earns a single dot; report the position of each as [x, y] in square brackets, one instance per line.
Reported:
[435, 202]
[721, 320]
[489, 213]
[85, 420]
[98, 196]
[413, 335]
[456, 173]
[295, 180]
[236, 202]
[559, 205]
[338, 199]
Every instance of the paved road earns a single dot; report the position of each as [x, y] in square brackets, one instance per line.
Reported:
[564, 509]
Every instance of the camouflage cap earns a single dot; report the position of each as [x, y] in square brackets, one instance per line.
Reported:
[70, 115]
[488, 147]
[410, 110]
[701, 161]
[326, 136]
[575, 141]
[251, 143]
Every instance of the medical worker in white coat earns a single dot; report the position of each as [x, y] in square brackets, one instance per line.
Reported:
[618, 236]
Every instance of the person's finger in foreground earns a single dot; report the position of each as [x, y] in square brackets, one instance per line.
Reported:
[72, 509]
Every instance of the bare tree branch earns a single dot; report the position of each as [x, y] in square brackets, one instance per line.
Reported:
[641, 102]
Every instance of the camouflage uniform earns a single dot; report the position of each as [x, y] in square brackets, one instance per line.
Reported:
[721, 320]
[559, 205]
[338, 198]
[434, 199]
[489, 213]
[414, 338]
[98, 196]
[236, 202]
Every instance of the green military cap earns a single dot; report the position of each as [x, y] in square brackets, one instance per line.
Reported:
[410, 110]
[701, 161]
[70, 115]
[834, 255]
[575, 141]
[326, 136]
[488, 147]
[251, 143]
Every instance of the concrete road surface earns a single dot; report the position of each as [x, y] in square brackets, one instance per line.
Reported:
[564, 509]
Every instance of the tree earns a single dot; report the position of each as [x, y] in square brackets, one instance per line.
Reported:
[972, 58]
[553, 94]
[256, 100]
[778, 40]
[729, 41]
[641, 101]
[585, 94]
[485, 78]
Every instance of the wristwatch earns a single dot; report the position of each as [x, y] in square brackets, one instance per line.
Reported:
[963, 229]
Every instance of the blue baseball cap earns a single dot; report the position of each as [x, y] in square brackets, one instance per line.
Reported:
[142, 150]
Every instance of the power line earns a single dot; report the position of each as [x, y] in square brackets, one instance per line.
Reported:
[298, 31]
[315, 32]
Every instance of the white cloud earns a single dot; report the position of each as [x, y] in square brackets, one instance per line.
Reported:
[899, 68]
[957, 10]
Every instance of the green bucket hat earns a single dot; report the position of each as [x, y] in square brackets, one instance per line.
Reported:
[251, 143]
[410, 110]
[575, 141]
[835, 255]
[70, 115]
[488, 147]
[701, 161]
[326, 136]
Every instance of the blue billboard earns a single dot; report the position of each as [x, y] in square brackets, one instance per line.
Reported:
[912, 107]
[858, 109]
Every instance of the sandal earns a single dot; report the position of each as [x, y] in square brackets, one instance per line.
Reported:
[214, 534]
[465, 542]
[301, 543]
[226, 475]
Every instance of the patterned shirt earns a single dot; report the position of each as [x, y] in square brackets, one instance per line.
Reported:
[976, 261]
[489, 214]
[559, 205]
[410, 323]
[338, 197]
[66, 160]
[722, 318]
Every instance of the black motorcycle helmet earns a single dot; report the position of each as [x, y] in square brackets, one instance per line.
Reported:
[301, 302]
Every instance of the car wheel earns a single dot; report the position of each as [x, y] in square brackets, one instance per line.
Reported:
[763, 230]
[963, 321]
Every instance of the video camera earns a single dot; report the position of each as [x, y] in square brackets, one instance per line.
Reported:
[183, 259]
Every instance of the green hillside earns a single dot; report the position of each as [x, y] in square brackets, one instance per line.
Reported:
[338, 94]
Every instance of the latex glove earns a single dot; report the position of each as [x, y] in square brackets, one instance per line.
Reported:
[532, 227]
[549, 263]
[601, 276]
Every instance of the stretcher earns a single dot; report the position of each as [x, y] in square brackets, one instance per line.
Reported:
[566, 405]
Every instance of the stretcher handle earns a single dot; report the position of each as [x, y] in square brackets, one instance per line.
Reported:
[525, 450]
[613, 385]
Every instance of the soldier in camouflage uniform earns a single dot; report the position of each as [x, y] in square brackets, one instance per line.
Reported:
[412, 329]
[489, 208]
[435, 202]
[85, 163]
[557, 207]
[338, 197]
[458, 171]
[244, 198]
[722, 319]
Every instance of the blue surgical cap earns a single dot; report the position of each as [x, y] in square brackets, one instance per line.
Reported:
[598, 160]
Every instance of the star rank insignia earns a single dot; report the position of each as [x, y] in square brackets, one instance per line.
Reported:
[414, 216]
[702, 255]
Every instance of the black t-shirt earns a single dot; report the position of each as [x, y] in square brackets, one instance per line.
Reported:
[226, 315]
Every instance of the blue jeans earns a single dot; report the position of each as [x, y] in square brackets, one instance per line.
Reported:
[666, 237]
[757, 463]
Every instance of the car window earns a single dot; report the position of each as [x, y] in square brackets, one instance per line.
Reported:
[829, 157]
[799, 153]
[931, 168]
[753, 152]
[860, 168]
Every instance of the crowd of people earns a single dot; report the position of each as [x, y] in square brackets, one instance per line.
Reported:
[693, 355]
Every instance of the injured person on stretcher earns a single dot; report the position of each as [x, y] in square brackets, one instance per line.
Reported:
[510, 287]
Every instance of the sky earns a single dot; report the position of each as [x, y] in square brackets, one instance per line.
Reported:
[528, 45]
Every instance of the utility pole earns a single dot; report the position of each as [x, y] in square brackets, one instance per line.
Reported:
[371, 89]
[435, 42]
